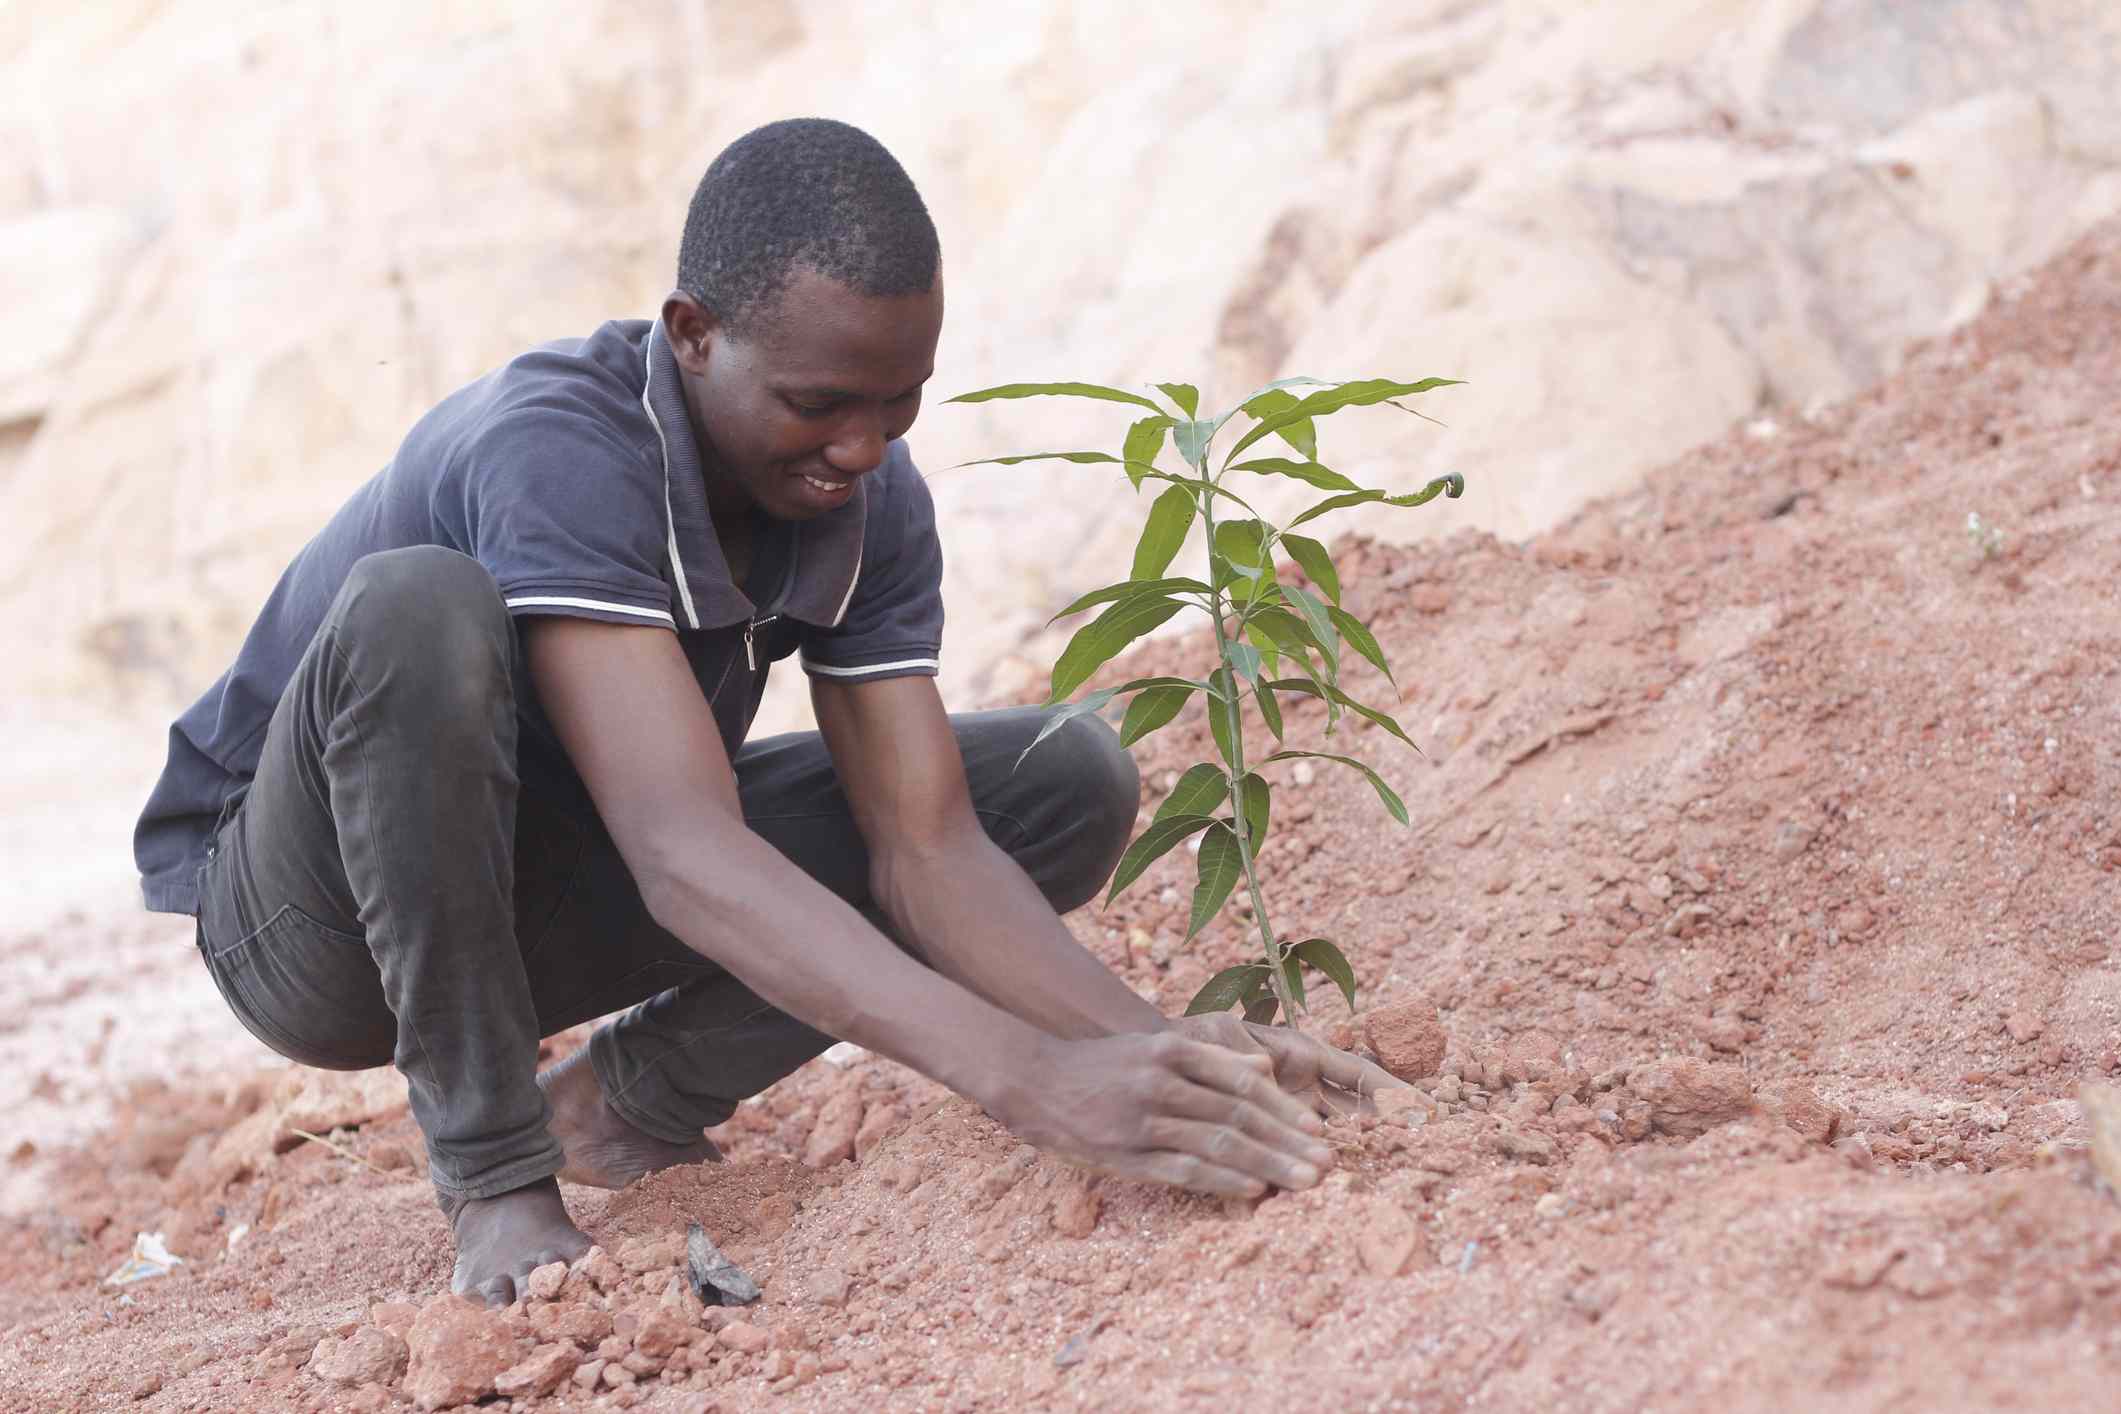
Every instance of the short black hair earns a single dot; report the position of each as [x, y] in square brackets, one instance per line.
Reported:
[803, 191]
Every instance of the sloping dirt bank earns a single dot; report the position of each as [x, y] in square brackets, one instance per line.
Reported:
[1766, 875]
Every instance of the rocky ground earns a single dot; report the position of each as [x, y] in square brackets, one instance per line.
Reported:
[1756, 930]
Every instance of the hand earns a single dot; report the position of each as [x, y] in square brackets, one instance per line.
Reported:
[1326, 1078]
[1164, 1107]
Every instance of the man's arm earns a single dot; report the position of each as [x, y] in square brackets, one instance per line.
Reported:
[626, 707]
[955, 895]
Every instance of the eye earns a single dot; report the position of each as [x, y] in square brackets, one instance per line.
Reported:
[809, 409]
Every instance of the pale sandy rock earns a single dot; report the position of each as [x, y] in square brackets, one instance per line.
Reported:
[457, 1350]
[1406, 1036]
[371, 1355]
[1800, 1107]
[1076, 1209]
[541, 1372]
[743, 1337]
[1530, 1055]
[832, 1138]
[661, 1331]
[877, 1126]
[1690, 1097]
[545, 1283]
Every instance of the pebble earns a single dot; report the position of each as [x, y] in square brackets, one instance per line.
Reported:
[1075, 1212]
[2024, 1026]
[832, 1137]
[660, 1333]
[1690, 1097]
[456, 1350]
[544, 1370]
[743, 1337]
[546, 1281]
[1407, 1037]
[371, 1355]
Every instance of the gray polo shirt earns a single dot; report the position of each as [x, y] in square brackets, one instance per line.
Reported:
[573, 476]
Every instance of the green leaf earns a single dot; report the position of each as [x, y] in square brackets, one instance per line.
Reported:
[1452, 487]
[1257, 800]
[1061, 716]
[1243, 544]
[1316, 563]
[1359, 637]
[1300, 432]
[1220, 868]
[1323, 477]
[1097, 642]
[1269, 709]
[1320, 624]
[1135, 470]
[1199, 792]
[1222, 715]
[1309, 689]
[1151, 845]
[1127, 589]
[1192, 438]
[1393, 803]
[1144, 440]
[1185, 395]
[1151, 709]
[1198, 485]
[1056, 390]
[1382, 719]
[1227, 988]
[1324, 956]
[1260, 1010]
[1359, 393]
[1245, 658]
[1170, 517]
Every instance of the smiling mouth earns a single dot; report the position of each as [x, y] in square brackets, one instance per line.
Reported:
[826, 485]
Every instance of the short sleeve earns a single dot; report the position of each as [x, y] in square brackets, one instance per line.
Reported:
[568, 519]
[893, 625]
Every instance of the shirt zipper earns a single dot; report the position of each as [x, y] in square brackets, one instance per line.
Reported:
[751, 626]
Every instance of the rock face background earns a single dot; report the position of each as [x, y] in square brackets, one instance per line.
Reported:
[241, 249]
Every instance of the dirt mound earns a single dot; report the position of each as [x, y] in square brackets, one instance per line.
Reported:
[1764, 880]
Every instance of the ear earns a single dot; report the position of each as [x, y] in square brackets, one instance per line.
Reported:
[691, 328]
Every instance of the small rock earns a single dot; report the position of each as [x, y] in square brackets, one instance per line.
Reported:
[546, 1281]
[1550, 1206]
[1792, 838]
[2024, 1026]
[827, 1286]
[598, 1269]
[583, 1325]
[589, 1373]
[1690, 1097]
[1386, 1242]
[1076, 1210]
[832, 1137]
[743, 1337]
[1526, 1144]
[456, 1350]
[1302, 774]
[647, 1254]
[1723, 1033]
[545, 1369]
[1798, 1105]
[371, 1355]
[394, 1316]
[660, 1333]
[1407, 1037]
[1530, 1055]
[617, 1376]
[877, 1126]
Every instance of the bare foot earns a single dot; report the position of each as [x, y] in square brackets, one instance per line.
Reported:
[502, 1240]
[603, 1150]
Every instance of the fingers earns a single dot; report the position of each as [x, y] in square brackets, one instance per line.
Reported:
[1195, 1173]
[1248, 1077]
[1246, 1120]
[1224, 1146]
[1335, 1067]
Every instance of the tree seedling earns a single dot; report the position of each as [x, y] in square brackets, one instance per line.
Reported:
[1273, 639]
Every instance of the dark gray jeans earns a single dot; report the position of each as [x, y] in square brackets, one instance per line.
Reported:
[400, 884]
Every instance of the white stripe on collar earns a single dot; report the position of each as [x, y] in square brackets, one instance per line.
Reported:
[677, 563]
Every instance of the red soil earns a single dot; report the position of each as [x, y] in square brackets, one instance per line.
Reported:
[1765, 872]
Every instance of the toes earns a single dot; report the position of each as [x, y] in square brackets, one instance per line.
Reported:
[498, 1291]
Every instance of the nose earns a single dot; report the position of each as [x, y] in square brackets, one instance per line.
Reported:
[857, 444]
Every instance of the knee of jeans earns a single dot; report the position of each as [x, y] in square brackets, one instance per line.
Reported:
[427, 607]
[1096, 778]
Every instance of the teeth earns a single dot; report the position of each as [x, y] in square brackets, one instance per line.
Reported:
[822, 485]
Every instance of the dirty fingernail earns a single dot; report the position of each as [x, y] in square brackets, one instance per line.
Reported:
[1305, 1175]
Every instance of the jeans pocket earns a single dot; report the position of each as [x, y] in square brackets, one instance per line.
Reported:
[308, 991]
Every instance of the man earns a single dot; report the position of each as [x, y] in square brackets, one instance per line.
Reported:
[479, 771]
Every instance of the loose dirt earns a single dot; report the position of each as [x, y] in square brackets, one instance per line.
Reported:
[1765, 880]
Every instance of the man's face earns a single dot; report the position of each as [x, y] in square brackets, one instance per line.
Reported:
[797, 407]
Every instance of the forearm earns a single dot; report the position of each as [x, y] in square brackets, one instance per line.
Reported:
[975, 917]
[805, 951]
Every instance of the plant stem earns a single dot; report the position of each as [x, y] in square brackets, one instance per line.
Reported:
[1240, 826]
